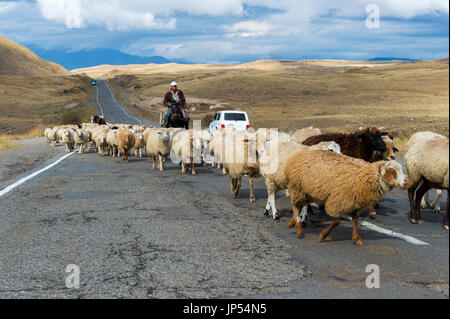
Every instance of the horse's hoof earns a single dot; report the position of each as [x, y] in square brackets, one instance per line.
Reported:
[413, 221]
[266, 212]
[276, 217]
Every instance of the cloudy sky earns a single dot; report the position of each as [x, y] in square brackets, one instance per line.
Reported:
[230, 31]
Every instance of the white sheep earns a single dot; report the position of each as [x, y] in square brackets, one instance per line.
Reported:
[417, 138]
[427, 162]
[67, 137]
[304, 133]
[187, 148]
[111, 139]
[275, 178]
[81, 140]
[158, 146]
[240, 159]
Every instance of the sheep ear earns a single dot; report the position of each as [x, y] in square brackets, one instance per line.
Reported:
[388, 134]
[389, 175]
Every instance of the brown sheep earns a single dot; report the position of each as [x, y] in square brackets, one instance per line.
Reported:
[367, 144]
[343, 184]
[125, 142]
[360, 144]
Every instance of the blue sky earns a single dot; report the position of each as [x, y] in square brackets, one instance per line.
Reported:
[232, 31]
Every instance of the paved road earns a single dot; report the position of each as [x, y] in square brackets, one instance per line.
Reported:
[139, 233]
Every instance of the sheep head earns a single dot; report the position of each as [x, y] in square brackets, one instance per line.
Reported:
[392, 174]
[372, 137]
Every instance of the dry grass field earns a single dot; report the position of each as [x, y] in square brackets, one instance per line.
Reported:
[331, 95]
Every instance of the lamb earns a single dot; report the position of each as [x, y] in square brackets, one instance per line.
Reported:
[419, 137]
[67, 137]
[187, 147]
[427, 161]
[158, 146]
[139, 144]
[276, 180]
[81, 139]
[343, 184]
[304, 133]
[360, 144]
[125, 142]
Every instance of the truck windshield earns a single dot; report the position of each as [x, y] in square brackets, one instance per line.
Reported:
[235, 117]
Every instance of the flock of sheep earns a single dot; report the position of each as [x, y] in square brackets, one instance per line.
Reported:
[344, 173]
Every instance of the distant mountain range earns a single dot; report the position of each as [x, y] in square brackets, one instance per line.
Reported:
[391, 59]
[89, 58]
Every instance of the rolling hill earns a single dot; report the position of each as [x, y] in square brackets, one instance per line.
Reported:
[16, 59]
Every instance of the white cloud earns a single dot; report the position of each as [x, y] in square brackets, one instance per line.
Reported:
[128, 15]
[7, 6]
[248, 29]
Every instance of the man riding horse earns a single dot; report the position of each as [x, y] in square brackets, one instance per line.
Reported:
[176, 115]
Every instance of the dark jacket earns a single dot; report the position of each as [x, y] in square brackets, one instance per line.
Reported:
[168, 99]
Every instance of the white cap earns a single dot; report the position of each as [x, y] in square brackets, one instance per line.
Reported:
[173, 83]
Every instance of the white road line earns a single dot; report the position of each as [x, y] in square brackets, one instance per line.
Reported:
[98, 102]
[23, 180]
[388, 232]
[123, 109]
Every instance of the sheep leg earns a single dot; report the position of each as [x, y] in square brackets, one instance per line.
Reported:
[355, 237]
[324, 234]
[425, 201]
[412, 211]
[125, 155]
[295, 220]
[161, 163]
[372, 212]
[238, 186]
[419, 194]
[445, 221]
[193, 167]
[153, 159]
[304, 214]
[183, 168]
[252, 194]
[435, 204]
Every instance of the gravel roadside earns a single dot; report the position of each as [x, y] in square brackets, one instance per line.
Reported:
[31, 153]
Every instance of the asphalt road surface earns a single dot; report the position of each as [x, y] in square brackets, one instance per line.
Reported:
[135, 232]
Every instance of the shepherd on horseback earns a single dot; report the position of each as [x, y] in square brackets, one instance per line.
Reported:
[176, 115]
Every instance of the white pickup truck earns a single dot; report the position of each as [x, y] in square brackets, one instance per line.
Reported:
[237, 119]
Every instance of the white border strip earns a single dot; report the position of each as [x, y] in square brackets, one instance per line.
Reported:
[388, 232]
[98, 102]
[23, 180]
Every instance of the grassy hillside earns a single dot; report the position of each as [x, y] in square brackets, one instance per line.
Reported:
[34, 92]
[16, 59]
[26, 102]
[331, 95]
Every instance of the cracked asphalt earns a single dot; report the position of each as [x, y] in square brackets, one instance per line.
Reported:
[141, 233]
